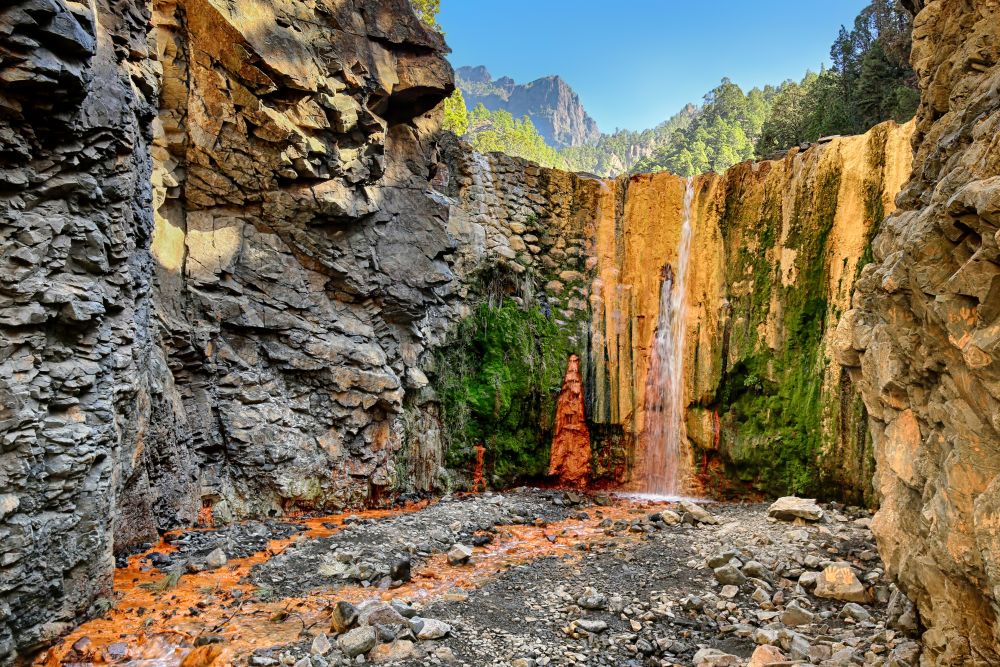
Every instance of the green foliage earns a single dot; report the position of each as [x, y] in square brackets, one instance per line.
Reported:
[427, 11]
[456, 116]
[721, 135]
[871, 81]
[498, 379]
[619, 152]
[498, 131]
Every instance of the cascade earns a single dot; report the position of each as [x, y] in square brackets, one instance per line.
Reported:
[665, 382]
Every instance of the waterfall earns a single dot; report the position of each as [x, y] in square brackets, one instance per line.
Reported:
[665, 382]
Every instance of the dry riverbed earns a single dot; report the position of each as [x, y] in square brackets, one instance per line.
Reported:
[526, 579]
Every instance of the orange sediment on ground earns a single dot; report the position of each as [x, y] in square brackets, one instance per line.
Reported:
[161, 624]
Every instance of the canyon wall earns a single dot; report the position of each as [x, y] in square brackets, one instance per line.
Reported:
[776, 249]
[245, 274]
[77, 84]
[922, 342]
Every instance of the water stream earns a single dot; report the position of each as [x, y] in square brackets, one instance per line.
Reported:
[664, 428]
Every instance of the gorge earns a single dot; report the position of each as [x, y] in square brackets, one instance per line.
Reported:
[246, 276]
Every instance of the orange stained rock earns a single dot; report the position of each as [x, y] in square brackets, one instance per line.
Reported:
[478, 481]
[570, 457]
[158, 624]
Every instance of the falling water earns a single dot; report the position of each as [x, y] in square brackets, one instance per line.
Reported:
[665, 382]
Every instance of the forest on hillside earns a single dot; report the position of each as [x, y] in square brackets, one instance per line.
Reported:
[870, 81]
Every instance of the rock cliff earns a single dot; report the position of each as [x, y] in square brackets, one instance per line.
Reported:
[551, 104]
[221, 266]
[922, 342]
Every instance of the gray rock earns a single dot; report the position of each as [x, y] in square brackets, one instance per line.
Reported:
[216, 559]
[593, 626]
[729, 575]
[357, 641]
[459, 554]
[432, 628]
[790, 508]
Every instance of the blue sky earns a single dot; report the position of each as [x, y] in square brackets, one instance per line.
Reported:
[636, 62]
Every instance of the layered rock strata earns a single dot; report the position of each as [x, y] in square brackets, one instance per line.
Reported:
[77, 97]
[922, 342]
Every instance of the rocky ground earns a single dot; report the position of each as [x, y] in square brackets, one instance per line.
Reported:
[554, 578]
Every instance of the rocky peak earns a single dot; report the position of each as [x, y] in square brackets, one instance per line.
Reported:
[550, 103]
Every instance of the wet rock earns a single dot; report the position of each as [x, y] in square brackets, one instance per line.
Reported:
[790, 508]
[459, 554]
[838, 582]
[343, 617]
[357, 641]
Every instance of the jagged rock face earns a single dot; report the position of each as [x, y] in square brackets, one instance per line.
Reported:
[76, 101]
[922, 340]
[553, 107]
[232, 323]
[299, 261]
[776, 247]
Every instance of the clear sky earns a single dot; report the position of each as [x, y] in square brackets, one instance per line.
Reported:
[636, 62]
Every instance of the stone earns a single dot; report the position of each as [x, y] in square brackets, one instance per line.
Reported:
[433, 629]
[591, 625]
[699, 513]
[838, 582]
[343, 617]
[855, 612]
[729, 575]
[357, 641]
[216, 559]
[459, 554]
[766, 655]
[711, 657]
[794, 615]
[790, 508]
[399, 649]
[320, 645]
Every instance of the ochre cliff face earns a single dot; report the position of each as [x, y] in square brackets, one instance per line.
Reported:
[775, 252]
[922, 342]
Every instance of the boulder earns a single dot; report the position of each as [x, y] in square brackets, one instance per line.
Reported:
[459, 554]
[767, 655]
[838, 582]
[712, 657]
[790, 508]
[698, 513]
[357, 641]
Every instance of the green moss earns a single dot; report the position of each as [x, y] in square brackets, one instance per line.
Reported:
[770, 400]
[498, 380]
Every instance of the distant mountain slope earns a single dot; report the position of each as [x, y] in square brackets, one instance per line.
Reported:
[550, 103]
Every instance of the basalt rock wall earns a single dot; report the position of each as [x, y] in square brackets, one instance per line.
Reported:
[922, 342]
